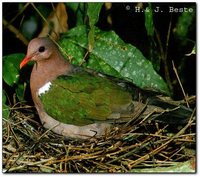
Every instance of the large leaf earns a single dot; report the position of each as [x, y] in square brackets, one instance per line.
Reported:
[78, 9]
[73, 6]
[119, 58]
[93, 11]
[11, 74]
[149, 20]
[184, 23]
[20, 89]
[11, 68]
[5, 111]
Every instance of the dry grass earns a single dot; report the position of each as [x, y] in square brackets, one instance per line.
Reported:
[28, 147]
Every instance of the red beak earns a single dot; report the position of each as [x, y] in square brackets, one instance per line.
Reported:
[24, 61]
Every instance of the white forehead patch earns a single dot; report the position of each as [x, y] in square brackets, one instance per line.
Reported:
[44, 88]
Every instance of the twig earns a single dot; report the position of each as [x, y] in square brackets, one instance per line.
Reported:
[40, 14]
[157, 150]
[139, 111]
[8, 133]
[48, 130]
[179, 81]
[83, 60]
[164, 59]
[139, 145]
[167, 41]
[29, 164]
[80, 157]
[142, 144]
[16, 32]
[20, 12]
[43, 18]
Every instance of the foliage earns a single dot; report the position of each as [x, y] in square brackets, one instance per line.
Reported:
[183, 25]
[11, 73]
[104, 51]
[149, 21]
[11, 68]
[93, 15]
[112, 56]
[11, 78]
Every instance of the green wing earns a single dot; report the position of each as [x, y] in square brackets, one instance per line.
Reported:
[83, 98]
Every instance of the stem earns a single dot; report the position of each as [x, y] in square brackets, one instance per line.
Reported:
[164, 57]
[15, 31]
[179, 81]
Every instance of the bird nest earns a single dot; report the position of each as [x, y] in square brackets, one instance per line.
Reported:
[142, 144]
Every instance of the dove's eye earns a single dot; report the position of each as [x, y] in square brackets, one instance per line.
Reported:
[41, 49]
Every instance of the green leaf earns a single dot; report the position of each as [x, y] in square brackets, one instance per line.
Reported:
[73, 6]
[112, 53]
[149, 20]
[4, 97]
[80, 14]
[20, 90]
[193, 52]
[72, 51]
[93, 11]
[100, 66]
[6, 111]
[10, 73]
[185, 21]
[91, 39]
[11, 68]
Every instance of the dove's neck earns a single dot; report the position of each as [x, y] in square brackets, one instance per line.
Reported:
[47, 70]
